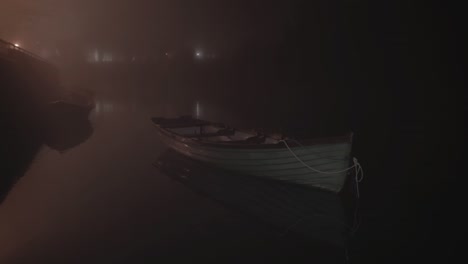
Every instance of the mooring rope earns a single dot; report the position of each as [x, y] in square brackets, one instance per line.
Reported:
[358, 177]
[355, 163]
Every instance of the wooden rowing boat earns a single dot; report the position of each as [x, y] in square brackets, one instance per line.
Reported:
[320, 162]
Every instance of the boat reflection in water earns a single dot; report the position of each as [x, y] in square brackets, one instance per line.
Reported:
[288, 208]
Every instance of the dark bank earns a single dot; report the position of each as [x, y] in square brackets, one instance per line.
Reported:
[35, 111]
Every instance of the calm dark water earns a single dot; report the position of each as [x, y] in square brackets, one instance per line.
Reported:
[104, 201]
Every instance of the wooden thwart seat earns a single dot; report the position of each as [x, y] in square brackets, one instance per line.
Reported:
[187, 124]
[222, 132]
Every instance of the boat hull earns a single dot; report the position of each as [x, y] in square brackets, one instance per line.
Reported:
[274, 163]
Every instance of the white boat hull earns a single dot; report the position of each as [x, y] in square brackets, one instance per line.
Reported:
[274, 163]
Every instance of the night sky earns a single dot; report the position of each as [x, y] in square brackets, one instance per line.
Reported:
[144, 24]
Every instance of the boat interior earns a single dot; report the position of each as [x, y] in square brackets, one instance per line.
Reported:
[216, 133]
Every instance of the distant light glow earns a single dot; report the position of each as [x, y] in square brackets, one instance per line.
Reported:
[197, 110]
[17, 45]
[198, 54]
[96, 55]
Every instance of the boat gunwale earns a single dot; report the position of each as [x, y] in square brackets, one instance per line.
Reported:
[347, 138]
